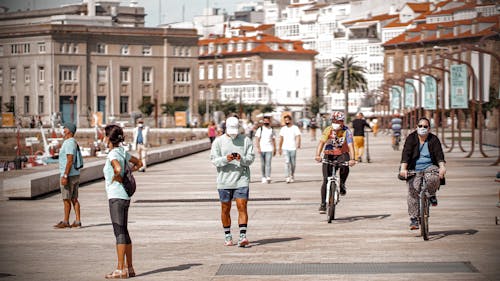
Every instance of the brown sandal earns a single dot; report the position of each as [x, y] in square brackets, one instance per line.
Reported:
[117, 274]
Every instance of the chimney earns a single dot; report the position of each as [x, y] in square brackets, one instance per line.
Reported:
[91, 8]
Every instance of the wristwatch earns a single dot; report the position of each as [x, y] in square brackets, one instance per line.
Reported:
[65, 176]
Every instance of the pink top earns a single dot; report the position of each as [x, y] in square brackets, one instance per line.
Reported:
[212, 131]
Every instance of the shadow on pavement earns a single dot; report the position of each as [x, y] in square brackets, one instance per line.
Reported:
[357, 218]
[441, 234]
[180, 267]
[274, 240]
[96, 225]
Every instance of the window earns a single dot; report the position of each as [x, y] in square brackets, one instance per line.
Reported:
[390, 64]
[422, 60]
[41, 74]
[413, 62]
[14, 49]
[102, 74]
[220, 71]
[429, 59]
[238, 70]
[1, 80]
[181, 75]
[229, 71]
[27, 76]
[248, 70]
[68, 73]
[41, 105]
[41, 47]
[12, 104]
[296, 94]
[13, 75]
[26, 48]
[62, 48]
[210, 72]
[101, 48]
[201, 72]
[1, 50]
[123, 104]
[74, 48]
[124, 50]
[146, 50]
[26, 104]
[288, 94]
[406, 66]
[124, 75]
[270, 70]
[147, 75]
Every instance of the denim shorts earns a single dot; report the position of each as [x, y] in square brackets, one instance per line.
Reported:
[226, 195]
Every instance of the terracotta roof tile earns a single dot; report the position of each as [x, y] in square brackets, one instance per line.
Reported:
[381, 17]
[419, 7]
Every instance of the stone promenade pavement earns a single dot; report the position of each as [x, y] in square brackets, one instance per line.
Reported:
[177, 235]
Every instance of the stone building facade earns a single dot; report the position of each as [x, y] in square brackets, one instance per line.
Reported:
[81, 66]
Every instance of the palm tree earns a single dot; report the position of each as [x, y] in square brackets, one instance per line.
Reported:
[355, 79]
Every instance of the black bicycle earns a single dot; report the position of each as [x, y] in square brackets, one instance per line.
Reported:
[333, 188]
[424, 203]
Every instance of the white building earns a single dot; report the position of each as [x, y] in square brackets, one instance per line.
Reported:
[320, 26]
[258, 69]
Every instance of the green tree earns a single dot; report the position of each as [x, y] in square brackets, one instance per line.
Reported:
[146, 107]
[268, 107]
[354, 80]
[315, 105]
[170, 108]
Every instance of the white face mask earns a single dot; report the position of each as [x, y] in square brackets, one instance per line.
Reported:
[335, 126]
[141, 125]
[422, 131]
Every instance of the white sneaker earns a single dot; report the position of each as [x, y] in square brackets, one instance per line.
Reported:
[287, 179]
[268, 179]
[264, 180]
[292, 179]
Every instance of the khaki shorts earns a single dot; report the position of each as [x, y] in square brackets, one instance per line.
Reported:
[70, 190]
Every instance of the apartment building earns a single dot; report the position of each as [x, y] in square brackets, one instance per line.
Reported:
[449, 28]
[257, 68]
[80, 66]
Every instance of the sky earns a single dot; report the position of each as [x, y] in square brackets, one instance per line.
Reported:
[171, 10]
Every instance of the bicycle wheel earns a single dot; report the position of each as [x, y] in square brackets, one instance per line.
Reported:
[424, 216]
[332, 203]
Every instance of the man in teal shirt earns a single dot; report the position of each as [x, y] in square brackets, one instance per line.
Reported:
[70, 177]
[232, 154]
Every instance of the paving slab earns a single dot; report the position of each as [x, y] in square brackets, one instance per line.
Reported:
[177, 235]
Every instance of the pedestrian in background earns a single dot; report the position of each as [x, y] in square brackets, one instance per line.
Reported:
[232, 154]
[266, 147]
[140, 143]
[118, 199]
[212, 131]
[70, 177]
[359, 125]
[289, 143]
[313, 125]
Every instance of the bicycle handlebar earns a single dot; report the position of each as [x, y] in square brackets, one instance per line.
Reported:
[335, 162]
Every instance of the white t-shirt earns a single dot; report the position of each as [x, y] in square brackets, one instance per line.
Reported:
[289, 134]
[266, 136]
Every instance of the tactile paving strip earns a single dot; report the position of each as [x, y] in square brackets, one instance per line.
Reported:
[344, 268]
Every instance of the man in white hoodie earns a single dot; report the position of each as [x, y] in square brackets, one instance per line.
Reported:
[232, 154]
[140, 143]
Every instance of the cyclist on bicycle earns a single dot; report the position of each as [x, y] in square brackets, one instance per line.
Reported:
[422, 152]
[396, 125]
[337, 142]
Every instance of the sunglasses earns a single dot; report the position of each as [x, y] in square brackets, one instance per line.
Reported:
[423, 126]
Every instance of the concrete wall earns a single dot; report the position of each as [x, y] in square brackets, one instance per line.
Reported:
[32, 185]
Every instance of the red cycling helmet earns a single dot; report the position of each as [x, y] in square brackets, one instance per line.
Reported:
[338, 115]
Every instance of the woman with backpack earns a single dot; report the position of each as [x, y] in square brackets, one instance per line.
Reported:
[119, 200]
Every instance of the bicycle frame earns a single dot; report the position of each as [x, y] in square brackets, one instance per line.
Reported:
[333, 199]
[423, 202]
